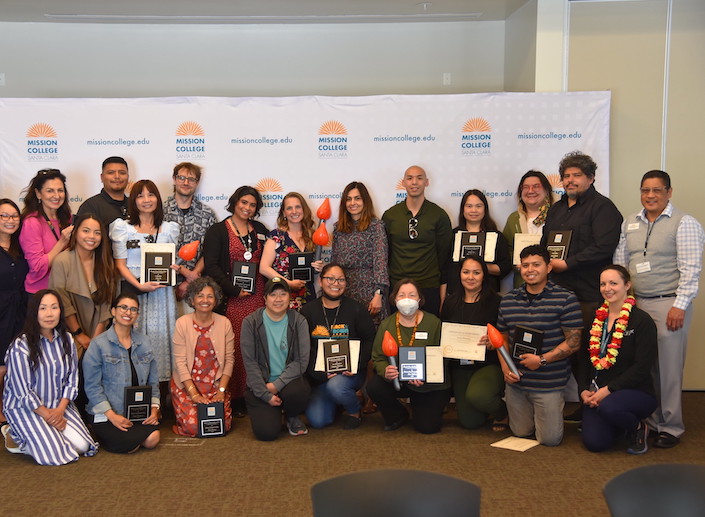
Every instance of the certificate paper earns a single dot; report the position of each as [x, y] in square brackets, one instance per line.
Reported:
[515, 444]
[521, 241]
[459, 341]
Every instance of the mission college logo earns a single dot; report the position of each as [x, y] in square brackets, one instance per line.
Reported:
[272, 195]
[476, 139]
[42, 143]
[190, 141]
[332, 140]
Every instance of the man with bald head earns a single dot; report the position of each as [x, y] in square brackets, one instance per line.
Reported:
[420, 237]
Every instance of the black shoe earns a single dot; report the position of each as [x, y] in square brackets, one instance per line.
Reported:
[575, 417]
[666, 441]
[396, 425]
[351, 422]
[637, 439]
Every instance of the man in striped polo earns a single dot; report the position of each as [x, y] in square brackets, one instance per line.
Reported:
[551, 314]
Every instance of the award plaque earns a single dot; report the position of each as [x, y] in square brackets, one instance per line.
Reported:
[211, 420]
[482, 244]
[337, 356]
[412, 363]
[558, 243]
[244, 274]
[138, 403]
[526, 341]
[300, 266]
[156, 261]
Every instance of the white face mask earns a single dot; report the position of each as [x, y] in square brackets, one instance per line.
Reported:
[407, 306]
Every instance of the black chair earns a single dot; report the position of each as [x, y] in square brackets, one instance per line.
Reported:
[661, 490]
[391, 493]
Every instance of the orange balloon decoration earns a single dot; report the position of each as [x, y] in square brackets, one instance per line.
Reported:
[324, 211]
[320, 236]
[495, 336]
[188, 251]
[389, 345]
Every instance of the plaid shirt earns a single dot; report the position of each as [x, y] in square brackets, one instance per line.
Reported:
[193, 224]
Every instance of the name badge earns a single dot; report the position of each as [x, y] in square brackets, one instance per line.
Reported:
[643, 267]
[421, 335]
[632, 227]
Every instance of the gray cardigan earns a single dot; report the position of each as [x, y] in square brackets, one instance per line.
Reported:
[255, 352]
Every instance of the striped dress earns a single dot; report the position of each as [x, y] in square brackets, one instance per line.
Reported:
[55, 377]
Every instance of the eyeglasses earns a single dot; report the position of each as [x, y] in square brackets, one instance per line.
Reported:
[8, 217]
[45, 172]
[331, 280]
[526, 188]
[127, 308]
[656, 190]
[185, 179]
[413, 232]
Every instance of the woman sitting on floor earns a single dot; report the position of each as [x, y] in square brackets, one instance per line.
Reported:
[41, 383]
[118, 358]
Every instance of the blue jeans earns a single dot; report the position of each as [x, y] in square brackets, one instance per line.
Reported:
[536, 412]
[338, 390]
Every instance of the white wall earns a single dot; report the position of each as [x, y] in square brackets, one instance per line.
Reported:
[93, 60]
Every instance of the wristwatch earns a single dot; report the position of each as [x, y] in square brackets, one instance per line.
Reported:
[542, 360]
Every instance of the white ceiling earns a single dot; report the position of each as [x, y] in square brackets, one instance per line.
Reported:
[255, 11]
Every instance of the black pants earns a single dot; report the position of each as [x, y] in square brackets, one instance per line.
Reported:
[266, 420]
[426, 407]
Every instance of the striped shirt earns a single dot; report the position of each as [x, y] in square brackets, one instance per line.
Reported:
[553, 310]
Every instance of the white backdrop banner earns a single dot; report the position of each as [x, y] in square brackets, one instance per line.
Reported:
[313, 145]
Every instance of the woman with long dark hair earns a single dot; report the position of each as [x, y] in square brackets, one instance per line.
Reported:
[360, 246]
[238, 238]
[46, 225]
[41, 383]
[478, 386]
[294, 234]
[475, 216]
[145, 224]
[84, 275]
[13, 270]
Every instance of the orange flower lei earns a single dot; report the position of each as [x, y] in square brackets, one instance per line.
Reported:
[606, 362]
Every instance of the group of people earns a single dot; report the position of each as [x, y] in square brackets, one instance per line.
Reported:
[613, 306]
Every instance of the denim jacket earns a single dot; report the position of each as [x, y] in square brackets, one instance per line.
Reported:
[106, 371]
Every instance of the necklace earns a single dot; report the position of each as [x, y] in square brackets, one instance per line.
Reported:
[413, 332]
[335, 318]
[603, 354]
[245, 244]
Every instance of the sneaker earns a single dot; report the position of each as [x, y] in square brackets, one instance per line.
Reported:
[10, 444]
[637, 439]
[351, 422]
[666, 440]
[296, 427]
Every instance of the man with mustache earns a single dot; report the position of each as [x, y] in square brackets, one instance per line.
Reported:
[595, 224]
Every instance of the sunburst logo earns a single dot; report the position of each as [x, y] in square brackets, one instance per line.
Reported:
[332, 127]
[41, 130]
[477, 125]
[268, 185]
[190, 128]
[400, 185]
[555, 180]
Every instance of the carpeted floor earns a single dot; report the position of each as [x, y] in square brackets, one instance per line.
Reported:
[239, 476]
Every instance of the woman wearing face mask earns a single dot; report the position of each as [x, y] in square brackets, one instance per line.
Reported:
[410, 326]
